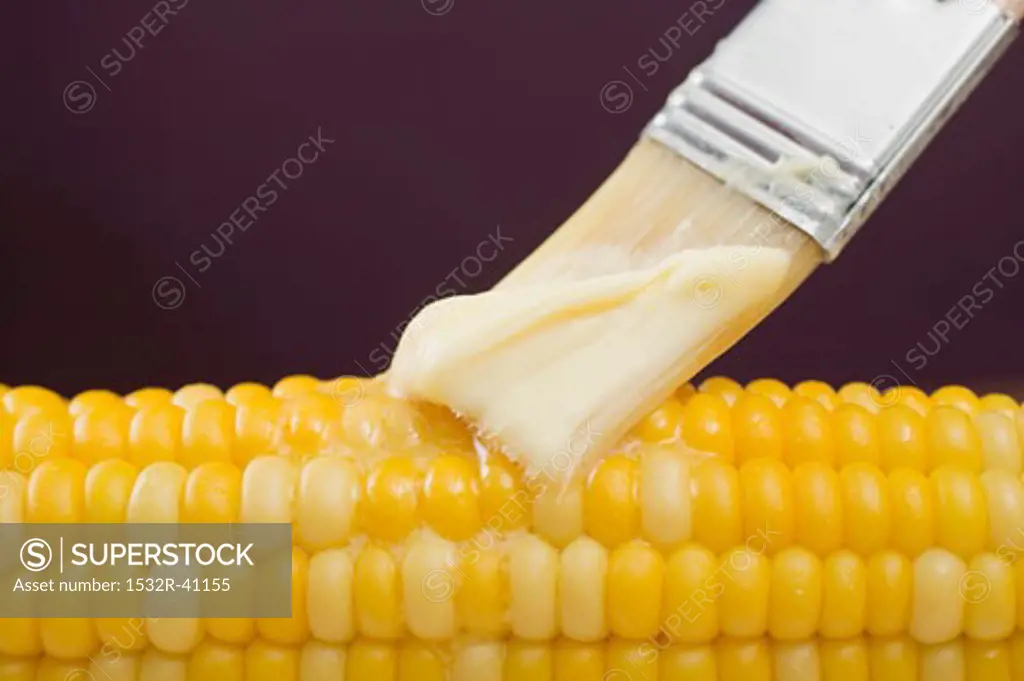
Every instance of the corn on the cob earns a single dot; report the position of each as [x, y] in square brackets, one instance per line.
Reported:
[856, 659]
[806, 516]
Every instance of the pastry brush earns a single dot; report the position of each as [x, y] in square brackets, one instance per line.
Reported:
[762, 165]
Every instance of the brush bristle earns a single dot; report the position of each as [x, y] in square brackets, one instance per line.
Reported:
[660, 272]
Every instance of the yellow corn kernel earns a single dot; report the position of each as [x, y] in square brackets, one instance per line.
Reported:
[157, 494]
[777, 391]
[244, 393]
[482, 589]
[90, 400]
[450, 494]
[717, 517]
[52, 669]
[108, 489]
[579, 662]
[213, 661]
[743, 603]
[20, 637]
[987, 660]
[740, 660]
[234, 630]
[265, 661]
[371, 660]
[686, 391]
[707, 428]
[728, 389]
[295, 629]
[1000, 443]
[7, 423]
[298, 385]
[1004, 496]
[844, 595]
[913, 511]
[893, 659]
[961, 518]
[583, 578]
[943, 661]
[889, 588]
[259, 429]
[1000, 403]
[310, 418]
[122, 634]
[147, 397]
[213, 493]
[377, 595]
[665, 501]
[26, 399]
[190, 396]
[68, 639]
[14, 669]
[867, 511]
[952, 439]
[767, 502]
[428, 587]
[528, 661]
[383, 422]
[796, 661]
[610, 505]
[795, 595]
[631, 660]
[635, 576]
[957, 396]
[845, 660]
[819, 392]
[329, 596]
[102, 433]
[505, 505]
[38, 436]
[757, 428]
[808, 431]
[558, 515]
[990, 597]
[664, 424]
[56, 492]
[155, 434]
[419, 661]
[863, 394]
[690, 603]
[207, 433]
[479, 661]
[177, 636]
[533, 587]
[937, 613]
[1017, 655]
[908, 396]
[268, 491]
[688, 663]
[322, 661]
[327, 503]
[391, 501]
[158, 666]
[903, 439]
[855, 431]
[818, 508]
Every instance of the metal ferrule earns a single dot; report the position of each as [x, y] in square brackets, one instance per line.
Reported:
[816, 109]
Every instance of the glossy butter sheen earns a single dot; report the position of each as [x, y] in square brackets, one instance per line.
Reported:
[564, 369]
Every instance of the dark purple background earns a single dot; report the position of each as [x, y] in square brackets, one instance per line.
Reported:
[445, 127]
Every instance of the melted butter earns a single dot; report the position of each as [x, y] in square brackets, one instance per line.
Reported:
[567, 367]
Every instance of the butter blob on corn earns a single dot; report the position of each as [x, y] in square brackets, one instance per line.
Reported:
[567, 368]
